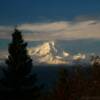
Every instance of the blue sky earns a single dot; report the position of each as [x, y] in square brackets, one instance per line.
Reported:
[14, 12]
[51, 20]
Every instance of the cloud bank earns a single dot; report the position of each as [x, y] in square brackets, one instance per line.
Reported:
[62, 30]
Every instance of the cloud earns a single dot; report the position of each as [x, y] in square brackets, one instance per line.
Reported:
[5, 32]
[44, 27]
[86, 18]
[62, 30]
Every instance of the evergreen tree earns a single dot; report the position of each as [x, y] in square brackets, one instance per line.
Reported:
[95, 79]
[19, 80]
[78, 83]
[61, 90]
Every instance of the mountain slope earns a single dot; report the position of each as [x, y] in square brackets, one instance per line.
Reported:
[48, 53]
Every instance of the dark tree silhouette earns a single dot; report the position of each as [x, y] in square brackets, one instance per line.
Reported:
[95, 87]
[19, 82]
[61, 89]
[77, 84]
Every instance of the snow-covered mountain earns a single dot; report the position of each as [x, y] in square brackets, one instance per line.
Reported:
[52, 53]
[48, 53]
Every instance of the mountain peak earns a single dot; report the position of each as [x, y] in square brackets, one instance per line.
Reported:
[47, 53]
[44, 49]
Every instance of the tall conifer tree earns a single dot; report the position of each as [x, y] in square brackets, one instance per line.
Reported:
[19, 80]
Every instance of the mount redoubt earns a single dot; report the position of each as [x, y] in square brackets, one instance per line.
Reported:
[51, 53]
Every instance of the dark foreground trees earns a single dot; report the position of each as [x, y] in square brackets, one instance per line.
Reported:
[60, 90]
[81, 84]
[19, 82]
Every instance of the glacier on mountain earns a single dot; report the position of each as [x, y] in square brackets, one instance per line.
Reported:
[47, 53]
[51, 53]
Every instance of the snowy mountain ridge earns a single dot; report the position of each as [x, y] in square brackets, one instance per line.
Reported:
[50, 53]
[47, 53]
[53, 53]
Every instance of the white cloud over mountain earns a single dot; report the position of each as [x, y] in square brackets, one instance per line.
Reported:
[56, 30]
